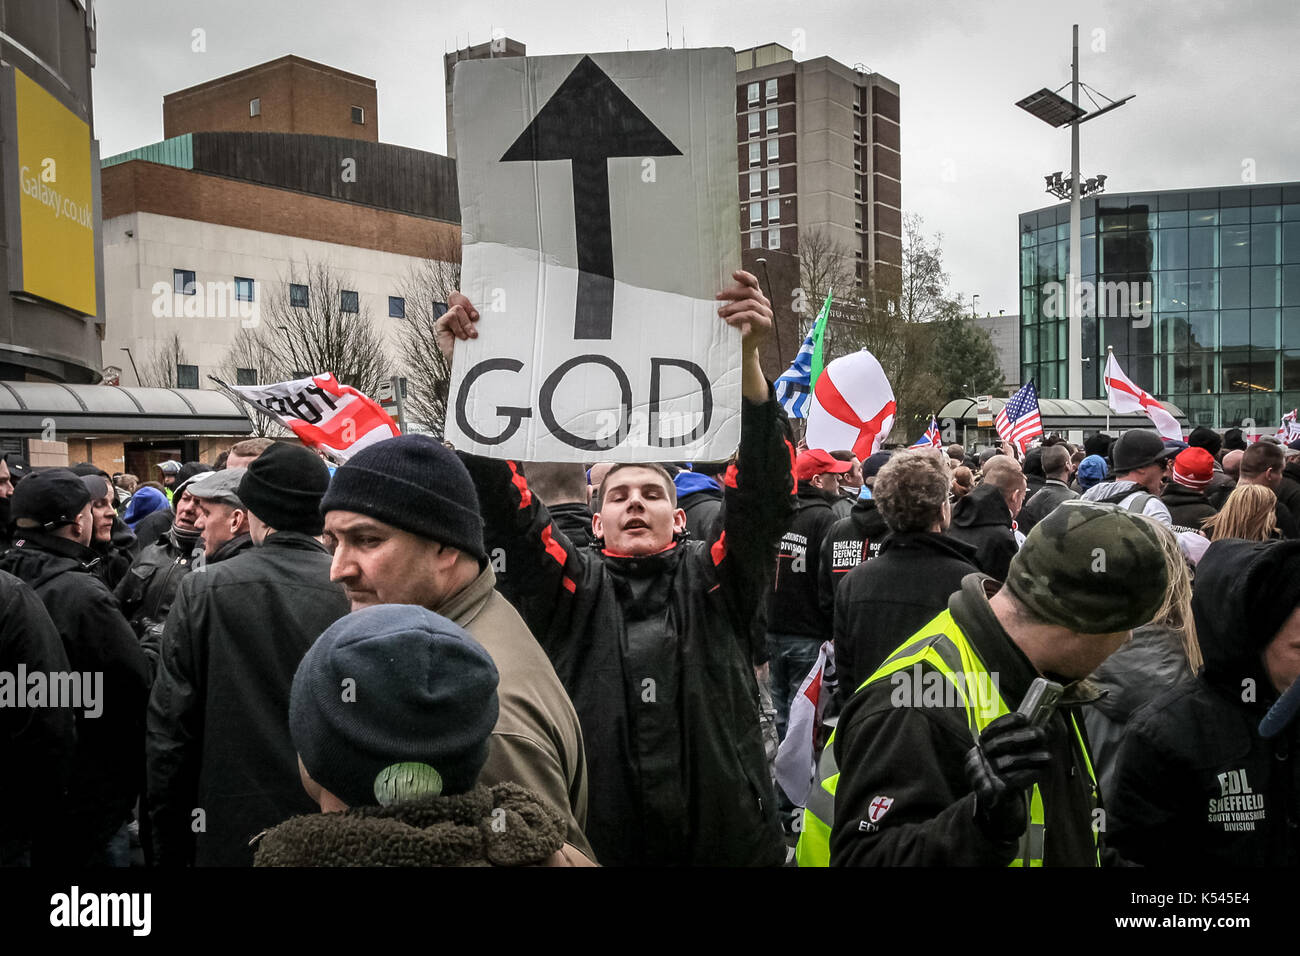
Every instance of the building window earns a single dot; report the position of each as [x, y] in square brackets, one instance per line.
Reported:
[756, 214]
[243, 289]
[773, 150]
[774, 180]
[245, 376]
[183, 282]
[755, 183]
[774, 210]
[298, 296]
[753, 93]
[396, 307]
[771, 121]
[358, 116]
[756, 239]
[753, 124]
[774, 238]
[771, 90]
[755, 154]
[255, 106]
[187, 376]
[349, 302]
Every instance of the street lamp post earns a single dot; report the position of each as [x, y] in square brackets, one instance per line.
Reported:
[1057, 111]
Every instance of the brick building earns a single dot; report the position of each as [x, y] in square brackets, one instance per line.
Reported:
[288, 95]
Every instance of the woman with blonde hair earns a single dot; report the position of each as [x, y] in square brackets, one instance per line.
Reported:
[1158, 656]
[1250, 513]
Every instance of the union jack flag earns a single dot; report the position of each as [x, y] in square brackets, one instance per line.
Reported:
[1019, 421]
[931, 437]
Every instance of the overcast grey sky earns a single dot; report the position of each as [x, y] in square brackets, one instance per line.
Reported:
[1216, 83]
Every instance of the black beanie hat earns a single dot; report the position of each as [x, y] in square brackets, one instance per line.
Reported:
[283, 487]
[1207, 438]
[415, 483]
[391, 703]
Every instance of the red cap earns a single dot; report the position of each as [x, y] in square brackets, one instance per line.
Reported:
[1194, 468]
[817, 462]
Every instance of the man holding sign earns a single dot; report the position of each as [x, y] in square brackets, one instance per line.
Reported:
[650, 632]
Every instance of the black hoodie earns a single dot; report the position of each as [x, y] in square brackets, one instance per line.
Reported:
[1195, 783]
[983, 520]
[793, 606]
[848, 543]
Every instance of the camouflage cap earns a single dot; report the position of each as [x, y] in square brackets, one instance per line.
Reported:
[1094, 568]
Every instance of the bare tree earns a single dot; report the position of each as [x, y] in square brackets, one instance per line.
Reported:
[246, 352]
[426, 288]
[924, 281]
[298, 336]
[161, 367]
[824, 265]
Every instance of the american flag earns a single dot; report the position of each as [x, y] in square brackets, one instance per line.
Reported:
[1019, 422]
[931, 438]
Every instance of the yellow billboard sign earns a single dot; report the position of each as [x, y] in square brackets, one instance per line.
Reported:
[56, 202]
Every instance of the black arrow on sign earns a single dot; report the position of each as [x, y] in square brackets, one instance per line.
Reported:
[588, 120]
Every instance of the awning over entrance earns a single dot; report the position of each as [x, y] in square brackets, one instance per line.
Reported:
[1061, 414]
[26, 408]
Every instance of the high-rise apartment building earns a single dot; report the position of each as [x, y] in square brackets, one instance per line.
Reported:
[818, 149]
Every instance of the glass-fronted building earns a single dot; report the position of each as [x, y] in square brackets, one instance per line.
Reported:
[1198, 291]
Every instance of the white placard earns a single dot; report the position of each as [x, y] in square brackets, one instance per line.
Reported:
[600, 214]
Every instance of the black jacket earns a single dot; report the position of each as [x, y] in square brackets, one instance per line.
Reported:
[152, 525]
[655, 653]
[1196, 785]
[149, 587]
[219, 712]
[97, 640]
[983, 520]
[37, 744]
[1289, 491]
[575, 521]
[884, 602]
[1188, 508]
[916, 755]
[703, 508]
[1043, 504]
[849, 542]
[793, 606]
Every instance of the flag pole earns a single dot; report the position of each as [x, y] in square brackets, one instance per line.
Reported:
[1109, 350]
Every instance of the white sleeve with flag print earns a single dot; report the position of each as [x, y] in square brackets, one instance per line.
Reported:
[1127, 398]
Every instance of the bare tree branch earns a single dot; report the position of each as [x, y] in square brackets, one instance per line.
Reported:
[428, 373]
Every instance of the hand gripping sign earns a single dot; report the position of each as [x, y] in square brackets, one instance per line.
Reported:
[599, 210]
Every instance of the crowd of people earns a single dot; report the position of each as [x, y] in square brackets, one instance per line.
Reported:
[426, 657]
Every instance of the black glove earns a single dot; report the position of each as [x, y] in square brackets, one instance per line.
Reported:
[1009, 759]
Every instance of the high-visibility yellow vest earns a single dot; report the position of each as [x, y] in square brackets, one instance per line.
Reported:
[942, 645]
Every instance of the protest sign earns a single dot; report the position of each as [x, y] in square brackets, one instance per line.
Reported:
[599, 214]
[321, 412]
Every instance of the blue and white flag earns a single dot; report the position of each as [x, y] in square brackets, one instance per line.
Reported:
[794, 387]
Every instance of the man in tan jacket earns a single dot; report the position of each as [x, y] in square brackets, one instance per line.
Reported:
[402, 520]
